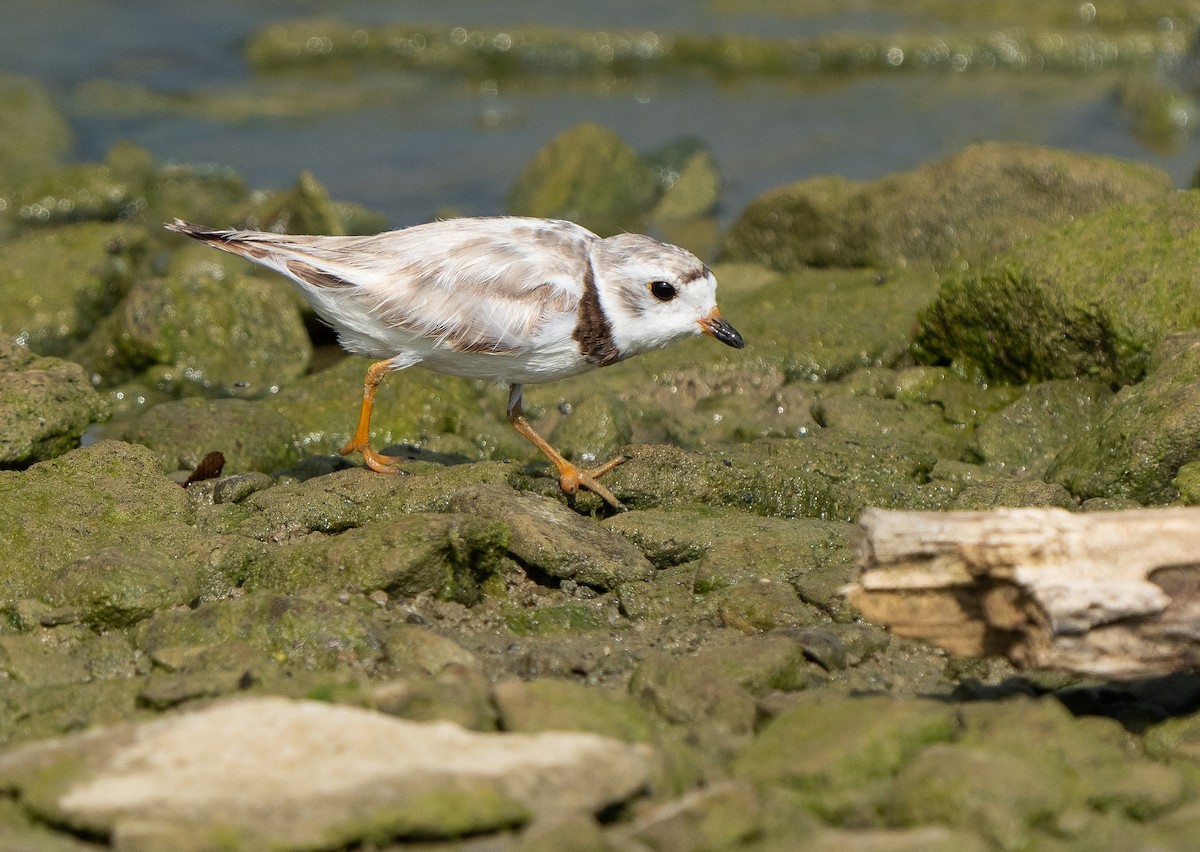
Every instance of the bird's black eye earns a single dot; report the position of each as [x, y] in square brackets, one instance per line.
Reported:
[662, 290]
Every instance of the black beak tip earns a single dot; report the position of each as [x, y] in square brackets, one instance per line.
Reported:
[727, 334]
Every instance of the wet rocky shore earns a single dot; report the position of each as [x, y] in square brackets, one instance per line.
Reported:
[302, 654]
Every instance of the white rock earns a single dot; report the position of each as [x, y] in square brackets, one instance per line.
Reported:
[306, 774]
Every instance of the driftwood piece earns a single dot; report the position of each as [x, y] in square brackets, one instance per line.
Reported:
[1112, 594]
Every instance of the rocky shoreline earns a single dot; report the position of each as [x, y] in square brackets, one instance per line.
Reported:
[261, 659]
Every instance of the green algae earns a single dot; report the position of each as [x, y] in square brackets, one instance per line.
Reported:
[447, 555]
[61, 281]
[561, 705]
[305, 209]
[552, 620]
[587, 175]
[118, 587]
[1149, 432]
[200, 330]
[1025, 436]
[1187, 481]
[301, 631]
[837, 750]
[1091, 298]
[523, 51]
[595, 428]
[410, 406]
[114, 189]
[251, 437]
[109, 494]
[547, 538]
[932, 214]
[34, 134]
[45, 406]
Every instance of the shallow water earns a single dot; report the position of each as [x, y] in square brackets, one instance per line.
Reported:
[427, 144]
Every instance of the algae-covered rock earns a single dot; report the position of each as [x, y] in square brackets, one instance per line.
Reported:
[562, 705]
[205, 193]
[64, 655]
[447, 555]
[185, 673]
[308, 632]
[1150, 431]
[272, 773]
[713, 691]
[553, 540]
[823, 475]
[759, 568]
[45, 405]
[994, 793]
[109, 494]
[821, 325]
[33, 132]
[964, 208]
[834, 750]
[1000, 493]
[691, 192]
[207, 328]
[114, 189]
[59, 282]
[250, 435]
[1024, 437]
[1091, 298]
[305, 209]
[589, 176]
[316, 416]
[592, 430]
[119, 586]
[718, 816]
[1089, 763]
[410, 407]
[1187, 482]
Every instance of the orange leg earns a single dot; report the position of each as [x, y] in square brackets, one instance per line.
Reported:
[570, 477]
[361, 442]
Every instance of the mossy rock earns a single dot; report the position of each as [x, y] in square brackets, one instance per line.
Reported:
[1024, 437]
[586, 175]
[80, 192]
[447, 555]
[60, 282]
[108, 494]
[1149, 433]
[964, 208]
[34, 134]
[45, 406]
[297, 630]
[305, 209]
[203, 330]
[1091, 298]
[250, 435]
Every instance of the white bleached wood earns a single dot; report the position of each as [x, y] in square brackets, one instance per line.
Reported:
[1114, 594]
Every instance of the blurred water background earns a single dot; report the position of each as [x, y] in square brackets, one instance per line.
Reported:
[446, 123]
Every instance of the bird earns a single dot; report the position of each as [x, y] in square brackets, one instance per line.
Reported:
[511, 299]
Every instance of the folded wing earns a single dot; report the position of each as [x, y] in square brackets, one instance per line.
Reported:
[471, 285]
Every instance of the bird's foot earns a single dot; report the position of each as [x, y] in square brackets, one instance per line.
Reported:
[378, 462]
[572, 478]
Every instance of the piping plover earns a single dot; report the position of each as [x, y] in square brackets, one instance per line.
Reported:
[515, 300]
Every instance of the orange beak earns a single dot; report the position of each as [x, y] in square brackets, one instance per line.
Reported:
[714, 324]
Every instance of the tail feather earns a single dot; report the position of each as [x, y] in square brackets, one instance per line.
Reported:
[236, 242]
